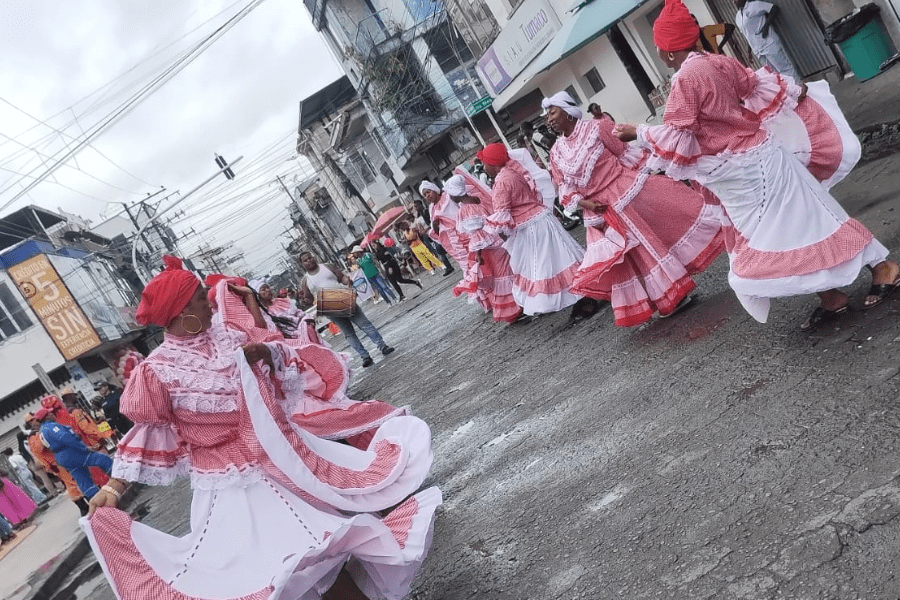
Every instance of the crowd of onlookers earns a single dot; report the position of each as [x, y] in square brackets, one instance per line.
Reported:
[65, 430]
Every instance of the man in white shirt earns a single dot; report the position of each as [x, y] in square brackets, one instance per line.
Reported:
[754, 19]
[320, 277]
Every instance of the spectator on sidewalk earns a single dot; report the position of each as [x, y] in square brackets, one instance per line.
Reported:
[392, 268]
[6, 530]
[19, 464]
[15, 505]
[754, 19]
[109, 404]
[96, 435]
[331, 277]
[367, 264]
[71, 453]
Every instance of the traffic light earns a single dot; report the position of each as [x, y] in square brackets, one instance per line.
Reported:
[224, 165]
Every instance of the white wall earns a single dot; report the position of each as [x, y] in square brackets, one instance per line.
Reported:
[30, 347]
[620, 97]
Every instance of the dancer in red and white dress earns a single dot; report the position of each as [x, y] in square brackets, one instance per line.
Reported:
[488, 279]
[443, 230]
[543, 256]
[646, 234]
[277, 512]
[788, 235]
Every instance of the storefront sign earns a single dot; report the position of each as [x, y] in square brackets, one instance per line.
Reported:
[527, 33]
[51, 301]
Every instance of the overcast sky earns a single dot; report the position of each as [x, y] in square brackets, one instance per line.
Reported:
[69, 66]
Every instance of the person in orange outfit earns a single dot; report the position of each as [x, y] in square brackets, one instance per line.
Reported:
[45, 457]
[93, 434]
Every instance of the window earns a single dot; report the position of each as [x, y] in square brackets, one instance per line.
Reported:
[571, 91]
[13, 317]
[594, 80]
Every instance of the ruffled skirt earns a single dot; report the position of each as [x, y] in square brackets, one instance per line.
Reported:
[260, 541]
[544, 259]
[789, 236]
[664, 233]
[490, 285]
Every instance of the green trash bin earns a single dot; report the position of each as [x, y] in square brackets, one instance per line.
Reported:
[863, 40]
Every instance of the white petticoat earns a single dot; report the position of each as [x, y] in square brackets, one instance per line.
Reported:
[263, 541]
[778, 208]
[544, 260]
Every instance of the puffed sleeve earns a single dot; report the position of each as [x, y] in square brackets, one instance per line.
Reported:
[501, 221]
[151, 452]
[673, 145]
[768, 93]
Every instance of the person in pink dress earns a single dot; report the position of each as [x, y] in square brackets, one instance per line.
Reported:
[787, 235]
[277, 512]
[488, 279]
[443, 230]
[15, 505]
[646, 234]
[542, 255]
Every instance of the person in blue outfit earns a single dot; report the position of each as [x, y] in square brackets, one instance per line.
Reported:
[71, 453]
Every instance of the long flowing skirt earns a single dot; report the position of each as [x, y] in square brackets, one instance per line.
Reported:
[15, 504]
[789, 236]
[544, 259]
[661, 233]
[260, 541]
[490, 284]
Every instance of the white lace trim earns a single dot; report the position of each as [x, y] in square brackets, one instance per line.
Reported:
[576, 155]
[593, 221]
[470, 224]
[636, 186]
[199, 371]
[231, 476]
[132, 469]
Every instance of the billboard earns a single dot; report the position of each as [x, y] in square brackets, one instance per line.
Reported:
[523, 37]
[54, 306]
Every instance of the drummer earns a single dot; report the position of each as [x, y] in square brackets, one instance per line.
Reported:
[327, 277]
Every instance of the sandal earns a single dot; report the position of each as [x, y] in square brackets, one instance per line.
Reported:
[685, 302]
[822, 315]
[881, 291]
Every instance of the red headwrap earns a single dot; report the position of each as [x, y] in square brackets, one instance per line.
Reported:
[167, 294]
[675, 28]
[494, 155]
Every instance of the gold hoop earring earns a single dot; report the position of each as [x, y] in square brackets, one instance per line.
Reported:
[199, 324]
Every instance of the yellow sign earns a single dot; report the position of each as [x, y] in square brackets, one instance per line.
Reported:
[51, 301]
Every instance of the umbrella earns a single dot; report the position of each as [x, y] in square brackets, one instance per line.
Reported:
[370, 237]
[384, 222]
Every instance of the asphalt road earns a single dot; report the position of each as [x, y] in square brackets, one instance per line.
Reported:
[701, 456]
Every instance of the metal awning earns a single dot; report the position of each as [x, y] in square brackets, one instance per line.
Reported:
[589, 20]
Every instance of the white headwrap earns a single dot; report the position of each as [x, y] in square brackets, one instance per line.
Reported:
[565, 102]
[427, 185]
[255, 284]
[455, 186]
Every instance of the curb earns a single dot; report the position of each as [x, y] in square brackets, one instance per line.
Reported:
[47, 590]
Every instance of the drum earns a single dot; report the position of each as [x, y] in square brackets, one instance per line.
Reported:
[337, 302]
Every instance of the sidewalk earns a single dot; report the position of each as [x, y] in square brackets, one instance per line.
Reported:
[55, 533]
[868, 104]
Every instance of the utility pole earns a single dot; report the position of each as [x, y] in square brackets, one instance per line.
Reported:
[162, 212]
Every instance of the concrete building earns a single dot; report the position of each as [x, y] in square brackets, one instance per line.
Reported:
[603, 52]
[413, 74]
[66, 312]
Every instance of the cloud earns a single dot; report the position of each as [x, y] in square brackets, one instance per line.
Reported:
[241, 95]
